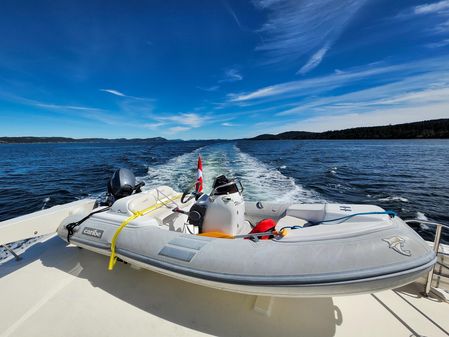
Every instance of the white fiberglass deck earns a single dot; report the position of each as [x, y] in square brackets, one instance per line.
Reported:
[66, 291]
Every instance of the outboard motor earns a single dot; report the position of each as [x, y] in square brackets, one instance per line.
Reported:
[122, 184]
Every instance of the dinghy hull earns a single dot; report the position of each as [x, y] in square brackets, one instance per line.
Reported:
[305, 263]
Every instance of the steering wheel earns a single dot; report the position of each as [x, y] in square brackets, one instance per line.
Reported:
[189, 193]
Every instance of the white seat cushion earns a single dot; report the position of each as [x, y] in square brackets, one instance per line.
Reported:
[289, 220]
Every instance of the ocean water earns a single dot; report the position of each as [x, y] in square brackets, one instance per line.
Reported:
[410, 177]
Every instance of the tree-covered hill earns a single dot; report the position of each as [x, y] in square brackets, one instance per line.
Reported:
[27, 139]
[438, 128]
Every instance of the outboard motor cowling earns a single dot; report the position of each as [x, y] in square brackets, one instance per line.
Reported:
[122, 184]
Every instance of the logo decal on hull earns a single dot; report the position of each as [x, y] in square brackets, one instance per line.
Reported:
[96, 233]
[397, 243]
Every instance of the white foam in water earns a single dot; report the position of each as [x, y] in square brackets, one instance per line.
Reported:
[394, 198]
[422, 216]
[178, 172]
[46, 200]
[261, 182]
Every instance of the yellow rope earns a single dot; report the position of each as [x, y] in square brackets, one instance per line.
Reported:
[136, 214]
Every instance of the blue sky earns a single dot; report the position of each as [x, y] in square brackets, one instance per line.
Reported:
[219, 69]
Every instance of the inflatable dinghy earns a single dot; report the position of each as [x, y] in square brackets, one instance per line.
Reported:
[262, 248]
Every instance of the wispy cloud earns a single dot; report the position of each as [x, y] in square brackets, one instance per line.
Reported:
[48, 106]
[438, 44]
[114, 92]
[435, 7]
[438, 12]
[304, 28]
[314, 61]
[260, 93]
[375, 94]
[231, 75]
[317, 85]
[177, 129]
[130, 97]
[187, 121]
[192, 120]
[210, 88]
[356, 117]
[132, 105]
[152, 126]
[64, 107]
[78, 111]
[414, 91]
[442, 27]
[112, 117]
[232, 14]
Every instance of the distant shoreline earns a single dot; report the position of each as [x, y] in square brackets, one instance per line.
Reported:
[221, 140]
[429, 129]
[66, 140]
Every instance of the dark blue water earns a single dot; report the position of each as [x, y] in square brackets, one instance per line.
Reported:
[410, 177]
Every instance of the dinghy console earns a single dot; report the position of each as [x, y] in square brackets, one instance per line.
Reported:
[222, 211]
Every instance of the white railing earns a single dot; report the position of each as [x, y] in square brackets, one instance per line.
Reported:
[436, 247]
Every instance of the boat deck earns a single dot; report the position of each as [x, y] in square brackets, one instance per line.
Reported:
[66, 291]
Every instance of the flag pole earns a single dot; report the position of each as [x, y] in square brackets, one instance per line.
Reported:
[199, 176]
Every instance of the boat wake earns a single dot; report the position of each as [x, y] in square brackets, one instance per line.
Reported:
[261, 181]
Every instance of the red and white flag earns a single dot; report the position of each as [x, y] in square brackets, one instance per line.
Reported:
[199, 176]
